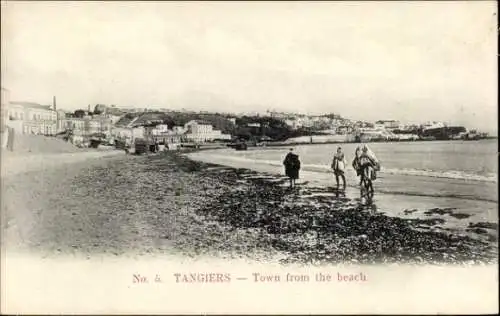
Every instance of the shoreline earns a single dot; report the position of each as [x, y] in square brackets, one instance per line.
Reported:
[167, 203]
[410, 206]
[313, 199]
[284, 143]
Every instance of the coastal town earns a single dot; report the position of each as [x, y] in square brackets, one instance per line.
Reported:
[212, 157]
[124, 127]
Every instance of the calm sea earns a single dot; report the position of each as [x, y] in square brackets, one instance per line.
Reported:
[464, 169]
[471, 160]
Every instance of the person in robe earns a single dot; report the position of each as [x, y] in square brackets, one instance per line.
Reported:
[338, 167]
[292, 167]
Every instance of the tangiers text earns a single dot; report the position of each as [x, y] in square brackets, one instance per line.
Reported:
[202, 277]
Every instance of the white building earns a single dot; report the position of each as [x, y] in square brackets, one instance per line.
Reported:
[388, 124]
[201, 131]
[160, 129]
[32, 118]
[429, 125]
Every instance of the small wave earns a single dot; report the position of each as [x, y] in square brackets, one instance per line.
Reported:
[450, 174]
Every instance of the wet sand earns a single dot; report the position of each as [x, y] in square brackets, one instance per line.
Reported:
[461, 215]
[167, 204]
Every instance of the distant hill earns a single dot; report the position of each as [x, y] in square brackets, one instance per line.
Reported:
[142, 119]
[218, 121]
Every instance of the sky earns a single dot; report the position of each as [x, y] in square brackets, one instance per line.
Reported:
[409, 61]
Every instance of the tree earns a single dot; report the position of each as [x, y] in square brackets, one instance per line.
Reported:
[99, 109]
[79, 113]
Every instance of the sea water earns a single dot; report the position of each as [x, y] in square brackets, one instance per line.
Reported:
[448, 169]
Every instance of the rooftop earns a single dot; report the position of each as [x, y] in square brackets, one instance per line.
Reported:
[31, 105]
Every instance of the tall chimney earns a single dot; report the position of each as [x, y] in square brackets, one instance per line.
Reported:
[89, 108]
[54, 103]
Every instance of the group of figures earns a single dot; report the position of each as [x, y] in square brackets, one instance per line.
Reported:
[365, 163]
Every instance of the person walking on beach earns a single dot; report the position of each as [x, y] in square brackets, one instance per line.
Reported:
[338, 166]
[355, 162]
[364, 157]
[292, 167]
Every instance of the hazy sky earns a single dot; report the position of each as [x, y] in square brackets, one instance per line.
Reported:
[414, 61]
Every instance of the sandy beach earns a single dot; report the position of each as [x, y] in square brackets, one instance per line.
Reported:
[167, 204]
[451, 212]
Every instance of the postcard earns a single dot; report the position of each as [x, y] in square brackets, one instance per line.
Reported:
[249, 157]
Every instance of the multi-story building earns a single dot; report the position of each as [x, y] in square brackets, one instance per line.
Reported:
[388, 124]
[33, 118]
[345, 129]
[74, 124]
[87, 125]
[160, 129]
[201, 131]
[61, 118]
[132, 126]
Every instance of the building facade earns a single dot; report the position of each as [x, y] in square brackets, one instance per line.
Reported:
[388, 124]
[32, 118]
[200, 131]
